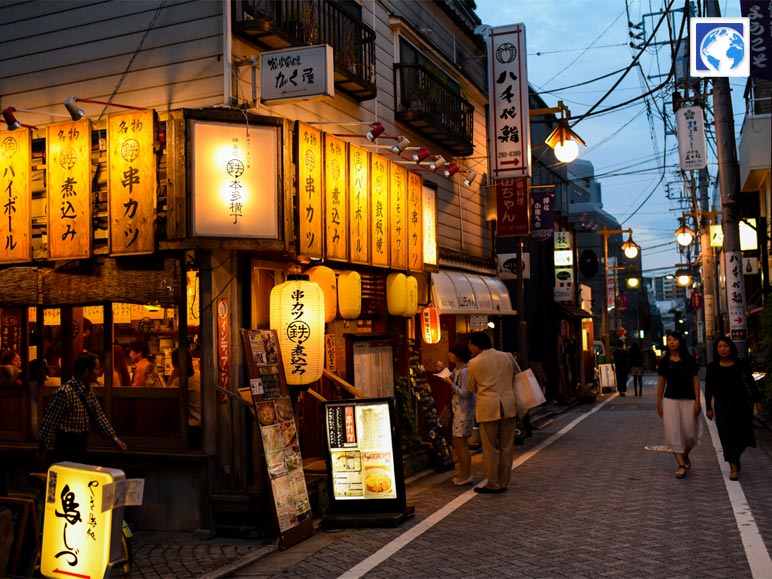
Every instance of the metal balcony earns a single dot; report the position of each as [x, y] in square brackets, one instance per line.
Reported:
[755, 148]
[429, 107]
[275, 24]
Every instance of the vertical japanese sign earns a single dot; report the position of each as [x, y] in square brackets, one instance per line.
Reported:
[358, 204]
[512, 206]
[735, 290]
[509, 123]
[692, 145]
[132, 182]
[379, 211]
[11, 332]
[336, 208]
[429, 225]
[759, 13]
[415, 244]
[399, 216]
[310, 191]
[542, 212]
[15, 196]
[223, 346]
[69, 189]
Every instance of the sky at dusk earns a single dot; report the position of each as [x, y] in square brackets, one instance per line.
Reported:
[570, 42]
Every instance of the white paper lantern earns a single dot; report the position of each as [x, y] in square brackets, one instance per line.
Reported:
[297, 315]
[396, 293]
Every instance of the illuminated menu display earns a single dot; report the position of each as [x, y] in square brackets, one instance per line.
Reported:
[359, 436]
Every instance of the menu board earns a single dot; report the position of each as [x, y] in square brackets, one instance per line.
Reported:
[279, 437]
[365, 465]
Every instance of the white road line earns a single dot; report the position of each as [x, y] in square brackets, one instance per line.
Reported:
[755, 550]
[406, 538]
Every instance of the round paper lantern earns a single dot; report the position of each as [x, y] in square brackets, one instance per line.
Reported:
[297, 315]
[396, 293]
[430, 325]
[325, 277]
[350, 295]
[411, 303]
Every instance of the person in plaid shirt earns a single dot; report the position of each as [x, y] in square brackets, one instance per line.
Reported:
[71, 411]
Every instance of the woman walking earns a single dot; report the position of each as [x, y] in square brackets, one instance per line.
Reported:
[730, 381]
[678, 400]
[463, 412]
[636, 368]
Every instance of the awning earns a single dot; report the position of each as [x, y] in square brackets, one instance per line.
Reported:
[573, 311]
[459, 293]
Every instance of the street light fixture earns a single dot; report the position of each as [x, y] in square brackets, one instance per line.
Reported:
[683, 277]
[562, 140]
[684, 235]
[630, 248]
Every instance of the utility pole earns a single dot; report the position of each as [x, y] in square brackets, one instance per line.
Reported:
[729, 185]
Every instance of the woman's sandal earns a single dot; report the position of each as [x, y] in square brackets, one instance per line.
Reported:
[681, 471]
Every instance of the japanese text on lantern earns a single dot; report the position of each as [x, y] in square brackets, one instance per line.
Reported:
[132, 182]
[69, 189]
[358, 204]
[379, 211]
[15, 196]
[398, 213]
[415, 243]
[298, 332]
[336, 238]
[310, 187]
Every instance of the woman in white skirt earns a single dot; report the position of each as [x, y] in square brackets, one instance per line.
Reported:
[678, 400]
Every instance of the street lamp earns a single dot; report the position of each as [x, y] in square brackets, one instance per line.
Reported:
[684, 235]
[562, 140]
[683, 277]
[631, 250]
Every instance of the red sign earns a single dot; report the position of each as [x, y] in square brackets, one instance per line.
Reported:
[696, 300]
[223, 346]
[621, 332]
[512, 207]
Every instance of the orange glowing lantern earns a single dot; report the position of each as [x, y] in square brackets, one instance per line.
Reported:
[325, 277]
[430, 325]
[350, 295]
[396, 293]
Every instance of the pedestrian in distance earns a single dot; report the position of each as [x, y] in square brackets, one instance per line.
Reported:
[621, 367]
[729, 380]
[462, 404]
[678, 400]
[636, 368]
[491, 378]
[73, 408]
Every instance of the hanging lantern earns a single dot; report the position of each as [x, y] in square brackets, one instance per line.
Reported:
[349, 295]
[325, 277]
[430, 325]
[411, 303]
[396, 293]
[297, 315]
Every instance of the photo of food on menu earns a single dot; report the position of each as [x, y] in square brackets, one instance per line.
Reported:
[361, 455]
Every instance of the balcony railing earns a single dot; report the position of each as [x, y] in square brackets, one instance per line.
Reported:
[275, 24]
[425, 103]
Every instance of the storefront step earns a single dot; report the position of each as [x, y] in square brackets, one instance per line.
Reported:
[241, 514]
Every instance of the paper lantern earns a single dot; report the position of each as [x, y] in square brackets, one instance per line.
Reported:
[430, 325]
[297, 315]
[350, 295]
[396, 293]
[325, 277]
[411, 302]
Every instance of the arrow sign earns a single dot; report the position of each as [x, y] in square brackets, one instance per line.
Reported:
[738, 320]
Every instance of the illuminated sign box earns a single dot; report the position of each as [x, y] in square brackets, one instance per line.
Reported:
[81, 529]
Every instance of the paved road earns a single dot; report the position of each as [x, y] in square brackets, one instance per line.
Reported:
[593, 495]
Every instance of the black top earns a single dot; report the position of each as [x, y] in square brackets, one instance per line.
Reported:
[621, 360]
[678, 378]
[636, 358]
[733, 382]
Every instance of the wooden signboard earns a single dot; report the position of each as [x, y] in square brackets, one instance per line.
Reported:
[336, 197]
[359, 204]
[278, 434]
[26, 538]
[415, 240]
[15, 195]
[379, 211]
[398, 213]
[310, 213]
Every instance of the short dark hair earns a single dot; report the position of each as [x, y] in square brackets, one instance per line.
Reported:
[481, 340]
[84, 361]
[139, 346]
[461, 351]
[733, 351]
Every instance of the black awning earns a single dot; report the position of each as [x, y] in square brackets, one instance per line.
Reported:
[573, 312]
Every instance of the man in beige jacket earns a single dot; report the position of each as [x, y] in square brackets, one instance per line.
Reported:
[491, 377]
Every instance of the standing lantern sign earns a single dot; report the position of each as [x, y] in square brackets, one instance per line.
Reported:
[430, 325]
